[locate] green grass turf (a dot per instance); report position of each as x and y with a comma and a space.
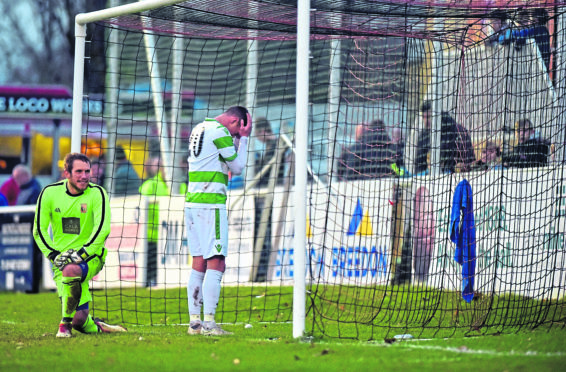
28, 323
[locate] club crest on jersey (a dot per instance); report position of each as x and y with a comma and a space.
83, 208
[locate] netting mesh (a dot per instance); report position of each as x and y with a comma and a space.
425, 214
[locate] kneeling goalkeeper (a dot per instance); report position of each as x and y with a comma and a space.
79, 215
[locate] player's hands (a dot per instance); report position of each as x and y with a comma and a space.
245, 131
68, 257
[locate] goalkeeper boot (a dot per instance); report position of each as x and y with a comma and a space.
213, 329
195, 328
65, 330
108, 328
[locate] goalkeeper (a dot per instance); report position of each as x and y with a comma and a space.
79, 215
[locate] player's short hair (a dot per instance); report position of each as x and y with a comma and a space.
70, 159
240, 112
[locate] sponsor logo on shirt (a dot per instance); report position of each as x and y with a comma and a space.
71, 225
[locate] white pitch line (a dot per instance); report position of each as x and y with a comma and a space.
466, 350
462, 350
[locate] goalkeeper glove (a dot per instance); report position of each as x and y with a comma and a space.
68, 257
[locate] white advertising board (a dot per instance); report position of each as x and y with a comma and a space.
520, 232
348, 236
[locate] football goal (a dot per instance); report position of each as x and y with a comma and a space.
405, 173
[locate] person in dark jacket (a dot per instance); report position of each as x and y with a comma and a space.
537, 31
371, 156
126, 180
456, 149
531, 150
29, 186
424, 140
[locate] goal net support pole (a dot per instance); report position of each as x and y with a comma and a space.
301, 143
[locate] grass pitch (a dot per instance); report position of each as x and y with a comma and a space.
28, 323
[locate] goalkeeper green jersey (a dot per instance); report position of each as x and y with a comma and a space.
212, 154
76, 221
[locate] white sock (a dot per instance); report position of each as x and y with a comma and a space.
211, 291
194, 293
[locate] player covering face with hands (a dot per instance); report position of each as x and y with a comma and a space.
216, 146
78, 213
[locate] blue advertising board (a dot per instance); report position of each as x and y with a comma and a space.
16, 256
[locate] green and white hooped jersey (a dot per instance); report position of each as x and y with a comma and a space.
211, 155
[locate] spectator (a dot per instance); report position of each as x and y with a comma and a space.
265, 135
10, 189
539, 32
531, 150
371, 156
423, 143
152, 187
126, 180
97, 169
490, 158
398, 146
456, 149
28, 195
29, 187
500, 25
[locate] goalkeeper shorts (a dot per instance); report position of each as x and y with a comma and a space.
207, 231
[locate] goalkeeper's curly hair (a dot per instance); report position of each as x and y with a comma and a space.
71, 157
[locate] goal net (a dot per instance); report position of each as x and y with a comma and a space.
436, 200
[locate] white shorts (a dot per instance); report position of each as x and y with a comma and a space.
207, 231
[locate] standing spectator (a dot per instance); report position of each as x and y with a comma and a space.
126, 180
456, 149
398, 146
212, 152
97, 170
152, 187
10, 189
264, 134
423, 143
500, 25
29, 187
539, 32
371, 156
531, 150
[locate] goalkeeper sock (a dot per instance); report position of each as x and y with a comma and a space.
72, 291
211, 291
194, 293
89, 326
